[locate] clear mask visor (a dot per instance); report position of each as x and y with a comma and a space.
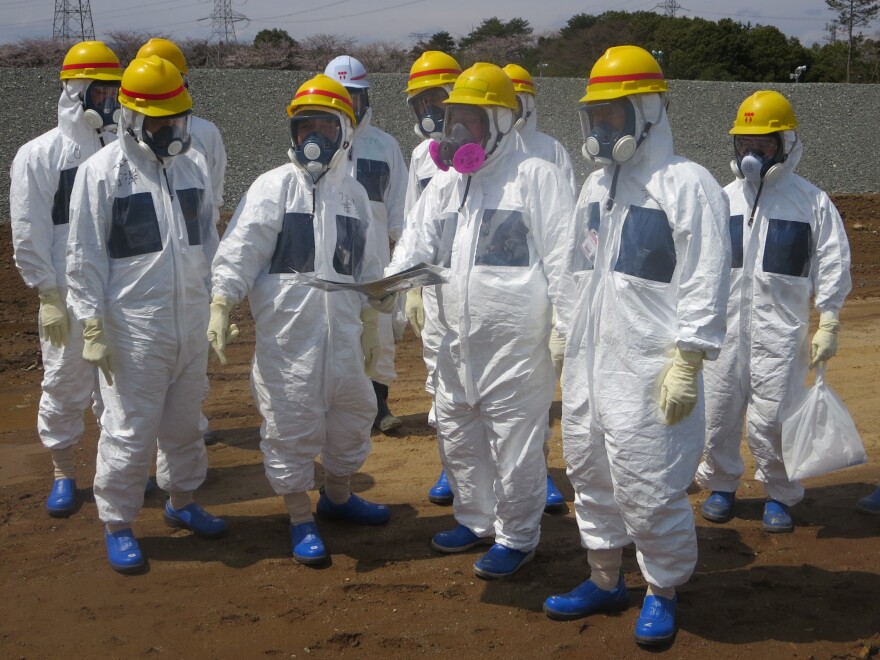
168, 136
765, 147
102, 97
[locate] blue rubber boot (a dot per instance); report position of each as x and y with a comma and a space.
308, 548
440, 492
123, 551
656, 623
718, 507
458, 539
152, 486
555, 502
62, 500
870, 504
501, 561
586, 599
356, 510
777, 517
196, 519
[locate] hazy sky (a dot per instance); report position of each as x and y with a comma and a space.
391, 20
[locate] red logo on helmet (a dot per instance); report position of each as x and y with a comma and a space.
748, 117
342, 74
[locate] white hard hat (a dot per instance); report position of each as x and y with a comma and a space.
348, 71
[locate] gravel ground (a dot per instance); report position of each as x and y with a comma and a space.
841, 154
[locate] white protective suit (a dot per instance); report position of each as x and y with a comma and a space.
795, 249
550, 149
421, 170
207, 140
377, 163
142, 237
307, 375
500, 232
662, 258
42, 177
547, 148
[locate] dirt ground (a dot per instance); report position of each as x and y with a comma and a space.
810, 594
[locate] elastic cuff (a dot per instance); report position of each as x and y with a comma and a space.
299, 507
62, 459
337, 489
181, 499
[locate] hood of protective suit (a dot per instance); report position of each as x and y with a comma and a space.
362, 125
656, 149
70, 111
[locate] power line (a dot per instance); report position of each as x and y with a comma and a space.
336, 18
669, 7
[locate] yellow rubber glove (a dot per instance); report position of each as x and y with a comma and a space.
370, 340
824, 344
678, 394
96, 351
54, 317
220, 332
385, 305
415, 310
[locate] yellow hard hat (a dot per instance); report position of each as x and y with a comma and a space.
623, 71
323, 92
483, 84
521, 79
432, 69
92, 60
153, 86
764, 112
167, 50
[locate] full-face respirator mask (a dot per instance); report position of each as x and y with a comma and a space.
609, 130
318, 141
471, 134
429, 110
101, 110
758, 158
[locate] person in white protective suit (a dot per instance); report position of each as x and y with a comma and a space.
376, 162
789, 245
206, 139
496, 221
311, 365
142, 236
548, 148
650, 253
42, 177
430, 81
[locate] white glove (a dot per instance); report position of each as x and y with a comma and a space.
824, 344
370, 340
415, 310
220, 332
678, 394
96, 351
557, 351
54, 318
384, 305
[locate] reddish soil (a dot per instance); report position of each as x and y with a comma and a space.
810, 594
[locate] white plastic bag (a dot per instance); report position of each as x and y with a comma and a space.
818, 434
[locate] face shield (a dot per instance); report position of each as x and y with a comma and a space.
757, 154
609, 130
466, 133
360, 101
101, 105
429, 110
316, 137
166, 136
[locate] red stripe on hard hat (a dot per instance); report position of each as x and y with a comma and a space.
152, 97
321, 92
626, 77
363, 75
431, 72
91, 65
522, 82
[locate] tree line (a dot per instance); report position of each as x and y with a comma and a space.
688, 48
